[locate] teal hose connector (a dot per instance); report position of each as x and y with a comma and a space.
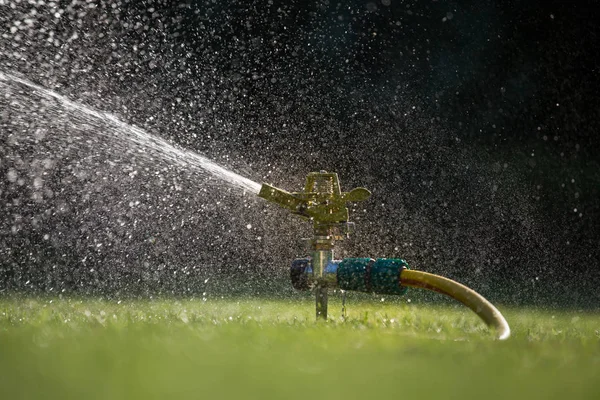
381, 276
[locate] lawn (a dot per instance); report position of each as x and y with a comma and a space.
73, 348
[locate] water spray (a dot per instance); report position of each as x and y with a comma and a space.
324, 204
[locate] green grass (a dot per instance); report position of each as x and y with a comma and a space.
87, 349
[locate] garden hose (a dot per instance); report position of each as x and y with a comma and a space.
470, 298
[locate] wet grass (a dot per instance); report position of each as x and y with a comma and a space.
74, 348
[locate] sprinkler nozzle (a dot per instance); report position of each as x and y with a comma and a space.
283, 198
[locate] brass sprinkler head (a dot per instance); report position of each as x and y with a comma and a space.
322, 202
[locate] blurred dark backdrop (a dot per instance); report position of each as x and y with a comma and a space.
473, 122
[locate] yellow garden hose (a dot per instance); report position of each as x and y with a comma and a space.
470, 298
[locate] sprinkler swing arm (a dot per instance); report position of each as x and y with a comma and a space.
324, 204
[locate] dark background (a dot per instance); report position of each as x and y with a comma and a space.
473, 123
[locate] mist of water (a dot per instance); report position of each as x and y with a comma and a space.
144, 141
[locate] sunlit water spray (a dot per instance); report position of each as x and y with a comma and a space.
134, 136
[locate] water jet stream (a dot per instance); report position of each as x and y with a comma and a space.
142, 138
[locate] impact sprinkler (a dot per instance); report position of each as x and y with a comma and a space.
325, 205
